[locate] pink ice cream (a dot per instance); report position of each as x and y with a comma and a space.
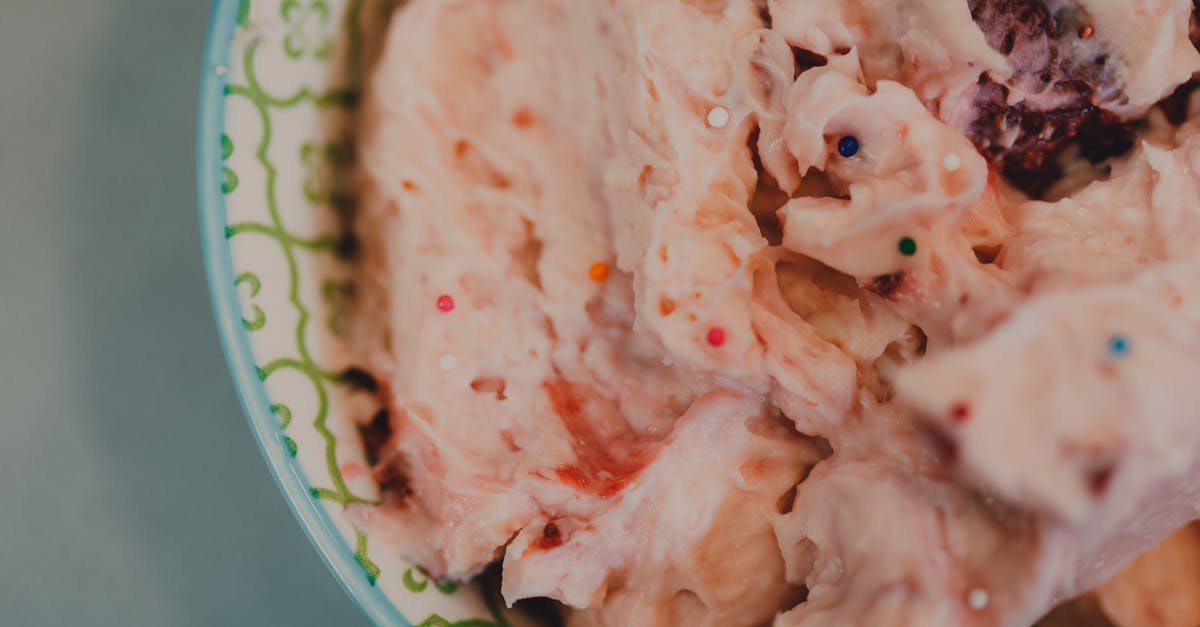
733, 312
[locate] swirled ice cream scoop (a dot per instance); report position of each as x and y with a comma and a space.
732, 312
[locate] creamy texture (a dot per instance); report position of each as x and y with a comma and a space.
645, 336
1159, 588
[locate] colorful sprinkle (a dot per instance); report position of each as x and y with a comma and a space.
960, 412
716, 336
952, 162
978, 599
523, 118
351, 470
908, 246
598, 271
1086, 32
848, 146
445, 303
1118, 345
718, 117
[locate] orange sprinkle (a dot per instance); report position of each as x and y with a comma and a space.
523, 118
1086, 32
598, 271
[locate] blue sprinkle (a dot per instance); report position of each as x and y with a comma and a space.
848, 146
1118, 345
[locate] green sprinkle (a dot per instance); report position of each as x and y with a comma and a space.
908, 246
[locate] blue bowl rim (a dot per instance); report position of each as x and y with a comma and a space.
235, 341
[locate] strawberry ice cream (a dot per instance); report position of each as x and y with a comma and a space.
821, 312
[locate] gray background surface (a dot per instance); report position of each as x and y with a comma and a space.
132, 492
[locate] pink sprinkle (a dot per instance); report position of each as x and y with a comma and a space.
445, 303
350, 470
716, 336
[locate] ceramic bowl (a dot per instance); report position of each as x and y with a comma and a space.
280, 84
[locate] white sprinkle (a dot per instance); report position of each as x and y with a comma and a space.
978, 599
447, 362
718, 117
952, 162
